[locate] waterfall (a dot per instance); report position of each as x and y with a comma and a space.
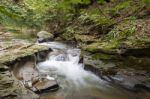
63, 64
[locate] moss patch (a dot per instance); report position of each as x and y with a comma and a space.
19, 50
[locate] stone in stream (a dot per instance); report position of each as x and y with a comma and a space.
44, 36
45, 85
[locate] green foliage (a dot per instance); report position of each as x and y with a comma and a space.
40, 6
119, 7
101, 1
93, 15
124, 31
8, 17
39, 13
147, 1
25, 14
10, 13
69, 34
35, 13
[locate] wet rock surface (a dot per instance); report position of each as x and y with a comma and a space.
126, 76
45, 86
132, 79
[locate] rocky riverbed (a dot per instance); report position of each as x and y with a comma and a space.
20, 78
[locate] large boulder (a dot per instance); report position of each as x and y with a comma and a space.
44, 36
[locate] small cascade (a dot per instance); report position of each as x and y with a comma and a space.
63, 64
62, 76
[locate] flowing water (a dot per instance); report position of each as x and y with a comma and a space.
75, 82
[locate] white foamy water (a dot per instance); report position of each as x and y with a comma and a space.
64, 66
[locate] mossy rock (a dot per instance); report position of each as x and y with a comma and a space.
104, 47
103, 56
44, 36
16, 50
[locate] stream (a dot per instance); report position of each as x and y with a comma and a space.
63, 64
